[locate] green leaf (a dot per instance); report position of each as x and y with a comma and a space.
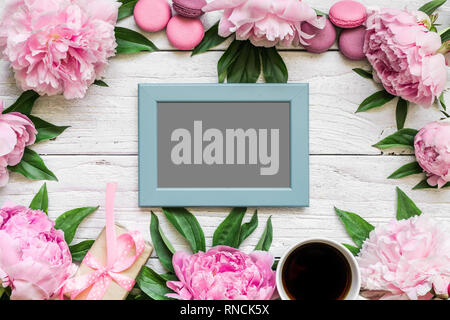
32, 166
357, 228
69, 221
445, 35
6, 294
169, 276
40, 200
248, 228
354, 250
227, 59
406, 208
137, 294
210, 40
126, 9
166, 240
442, 101
320, 13
24, 104
188, 226
100, 83
445, 114
130, 41
247, 66
228, 232
46, 130
275, 263
403, 138
363, 73
274, 68
162, 246
79, 250
406, 170
153, 284
266, 239
401, 112
376, 100
431, 6
424, 185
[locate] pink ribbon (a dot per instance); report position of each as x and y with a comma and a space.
119, 258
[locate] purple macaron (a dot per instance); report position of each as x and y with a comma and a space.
323, 39
348, 14
189, 8
351, 43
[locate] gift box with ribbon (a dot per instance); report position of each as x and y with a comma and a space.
109, 269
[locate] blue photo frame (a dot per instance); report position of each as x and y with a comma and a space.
150, 195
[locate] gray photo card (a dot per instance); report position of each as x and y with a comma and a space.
223, 144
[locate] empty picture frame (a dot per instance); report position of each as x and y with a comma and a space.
223, 145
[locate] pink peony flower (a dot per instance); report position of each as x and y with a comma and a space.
35, 260
58, 46
402, 52
432, 149
406, 259
223, 273
16, 132
265, 22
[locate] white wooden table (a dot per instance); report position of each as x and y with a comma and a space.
346, 171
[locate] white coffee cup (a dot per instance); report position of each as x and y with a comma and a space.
353, 292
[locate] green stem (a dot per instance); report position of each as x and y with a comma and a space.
444, 48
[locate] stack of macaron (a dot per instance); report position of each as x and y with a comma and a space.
348, 15
184, 30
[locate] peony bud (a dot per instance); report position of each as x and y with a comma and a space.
432, 149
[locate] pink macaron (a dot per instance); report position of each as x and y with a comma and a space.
152, 15
189, 8
323, 39
348, 14
185, 33
351, 43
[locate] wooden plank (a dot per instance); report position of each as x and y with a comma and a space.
101, 145
354, 183
105, 121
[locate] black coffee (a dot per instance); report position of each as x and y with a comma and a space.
316, 271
